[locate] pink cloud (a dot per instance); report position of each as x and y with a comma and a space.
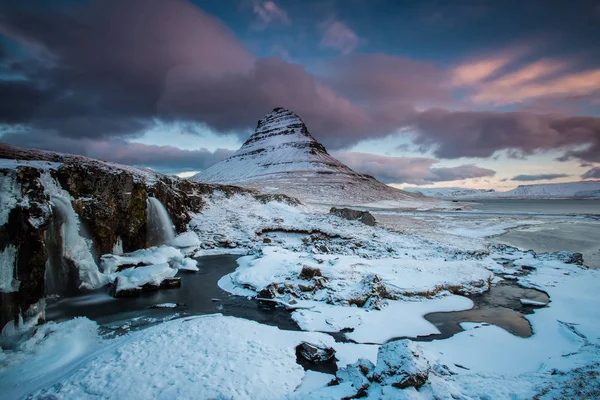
267, 13
337, 35
414, 170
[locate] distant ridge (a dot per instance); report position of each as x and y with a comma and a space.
582, 189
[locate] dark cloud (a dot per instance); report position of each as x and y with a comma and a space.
164, 159
118, 64
414, 170
106, 69
110, 60
592, 173
367, 78
538, 177
481, 134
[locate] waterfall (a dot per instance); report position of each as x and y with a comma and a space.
70, 265
160, 227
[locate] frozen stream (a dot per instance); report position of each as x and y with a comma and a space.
200, 294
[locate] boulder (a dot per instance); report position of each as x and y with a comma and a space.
354, 215
401, 364
357, 374
312, 353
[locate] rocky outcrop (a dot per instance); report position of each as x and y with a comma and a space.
354, 215
109, 199
23, 235
400, 364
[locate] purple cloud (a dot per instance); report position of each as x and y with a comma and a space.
539, 177
593, 173
414, 170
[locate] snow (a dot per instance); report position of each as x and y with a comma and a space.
196, 358
448, 192
7, 267
10, 193
186, 239
152, 255
349, 277
132, 278
38, 164
398, 319
165, 305
312, 381
53, 352
528, 302
589, 188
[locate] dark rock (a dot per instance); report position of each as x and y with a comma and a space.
312, 353
267, 240
269, 293
309, 273
347, 213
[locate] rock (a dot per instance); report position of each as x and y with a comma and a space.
570, 258
347, 213
357, 374
314, 354
309, 273
270, 292
401, 364
267, 240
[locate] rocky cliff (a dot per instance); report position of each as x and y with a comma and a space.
109, 200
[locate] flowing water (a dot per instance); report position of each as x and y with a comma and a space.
70, 260
160, 226
199, 294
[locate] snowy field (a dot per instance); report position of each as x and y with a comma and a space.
364, 284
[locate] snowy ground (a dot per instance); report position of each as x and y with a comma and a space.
371, 283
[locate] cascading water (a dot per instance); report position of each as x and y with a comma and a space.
160, 226
70, 266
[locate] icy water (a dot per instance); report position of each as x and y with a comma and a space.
200, 294
500, 306
568, 207
576, 226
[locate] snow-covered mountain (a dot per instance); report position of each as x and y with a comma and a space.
555, 190
450, 192
282, 157
539, 191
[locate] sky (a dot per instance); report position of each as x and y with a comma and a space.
482, 94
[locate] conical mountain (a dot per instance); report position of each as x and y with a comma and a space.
282, 157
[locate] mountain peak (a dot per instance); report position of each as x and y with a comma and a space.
282, 156
282, 125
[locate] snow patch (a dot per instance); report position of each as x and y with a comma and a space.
7, 267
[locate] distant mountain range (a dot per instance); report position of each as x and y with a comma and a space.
589, 189
282, 157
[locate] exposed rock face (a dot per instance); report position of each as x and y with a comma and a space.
109, 199
24, 232
347, 213
282, 157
